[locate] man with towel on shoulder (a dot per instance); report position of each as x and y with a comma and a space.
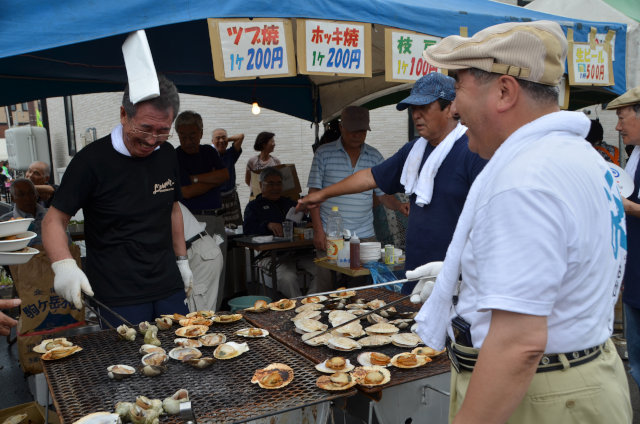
436, 170
540, 244
627, 108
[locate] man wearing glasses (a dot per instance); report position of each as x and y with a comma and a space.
127, 185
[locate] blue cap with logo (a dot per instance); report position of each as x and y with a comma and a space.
428, 89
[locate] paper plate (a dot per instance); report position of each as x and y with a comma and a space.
16, 258
20, 242
14, 226
623, 180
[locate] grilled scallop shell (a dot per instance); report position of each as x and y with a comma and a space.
192, 331
375, 340
312, 340
382, 328
226, 319
313, 299
230, 350
184, 353
273, 376
336, 381
252, 332
343, 344
428, 351
373, 358
309, 307
409, 360
282, 305
371, 376
335, 364
406, 340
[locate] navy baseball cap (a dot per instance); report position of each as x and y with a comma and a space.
428, 89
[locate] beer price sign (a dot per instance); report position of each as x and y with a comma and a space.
403, 55
247, 49
590, 63
334, 48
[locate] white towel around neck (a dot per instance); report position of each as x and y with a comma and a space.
433, 318
421, 182
632, 163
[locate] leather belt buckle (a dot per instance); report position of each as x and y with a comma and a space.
452, 356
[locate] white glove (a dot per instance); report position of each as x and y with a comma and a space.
69, 281
186, 274
427, 274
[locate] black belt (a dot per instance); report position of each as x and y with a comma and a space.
548, 362
195, 238
214, 212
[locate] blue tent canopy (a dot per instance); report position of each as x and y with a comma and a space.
71, 47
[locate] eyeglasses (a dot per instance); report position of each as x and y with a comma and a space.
148, 135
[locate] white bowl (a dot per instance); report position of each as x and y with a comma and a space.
15, 226
21, 242
17, 258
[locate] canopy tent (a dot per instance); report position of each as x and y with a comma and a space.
63, 48
598, 10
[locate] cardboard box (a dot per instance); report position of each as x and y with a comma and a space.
35, 414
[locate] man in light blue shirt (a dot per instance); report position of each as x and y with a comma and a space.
332, 163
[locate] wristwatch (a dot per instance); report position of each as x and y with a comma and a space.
182, 258
195, 180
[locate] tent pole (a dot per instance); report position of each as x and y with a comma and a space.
314, 97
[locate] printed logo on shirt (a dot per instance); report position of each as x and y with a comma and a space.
616, 211
266, 207
165, 186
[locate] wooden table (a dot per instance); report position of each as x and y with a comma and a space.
352, 273
274, 247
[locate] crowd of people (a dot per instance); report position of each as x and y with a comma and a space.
516, 233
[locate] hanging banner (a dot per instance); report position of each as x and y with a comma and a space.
334, 48
403, 55
590, 63
251, 48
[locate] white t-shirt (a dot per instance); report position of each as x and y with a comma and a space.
548, 239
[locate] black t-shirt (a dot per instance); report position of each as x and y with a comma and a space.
127, 205
206, 160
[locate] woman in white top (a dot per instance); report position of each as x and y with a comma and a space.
265, 143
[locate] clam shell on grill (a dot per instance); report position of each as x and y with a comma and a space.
164, 323
184, 353
371, 376
230, 350
306, 325
225, 319
307, 314
252, 332
96, 418
152, 370
409, 360
309, 307
314, 299
49, 344
155, 358
373, 358
192, 331
343, 343
381, 328
312, 340
118, 372
375, 340
336, 381
282, 305
126, 333
260, 305
201, 363
273, 376
428, 351
195, 321
60, 352
335, 364
202, 314
143, 327
350, 330
343, 295
184, 342
212, 339
406, 340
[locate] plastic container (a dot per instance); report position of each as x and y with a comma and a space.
334, 234
343, 255
354, 252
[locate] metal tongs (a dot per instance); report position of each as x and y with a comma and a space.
106, 308
186, 412
370, 286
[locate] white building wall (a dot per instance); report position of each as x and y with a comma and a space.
293, 136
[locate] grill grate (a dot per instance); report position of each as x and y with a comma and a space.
282, 328
220, 393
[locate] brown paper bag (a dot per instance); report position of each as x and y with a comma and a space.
42, 309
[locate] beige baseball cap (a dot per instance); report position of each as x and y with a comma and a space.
629, 98
533, 51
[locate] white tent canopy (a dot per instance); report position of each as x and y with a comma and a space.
599, 11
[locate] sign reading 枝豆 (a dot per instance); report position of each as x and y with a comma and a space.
403, 55
334, 48
590, 63
246, 49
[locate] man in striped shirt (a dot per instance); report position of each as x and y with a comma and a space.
332, 163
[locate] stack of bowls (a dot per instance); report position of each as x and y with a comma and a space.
14, 238
370, 251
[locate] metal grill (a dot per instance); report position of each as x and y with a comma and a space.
282, 328
222, 393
